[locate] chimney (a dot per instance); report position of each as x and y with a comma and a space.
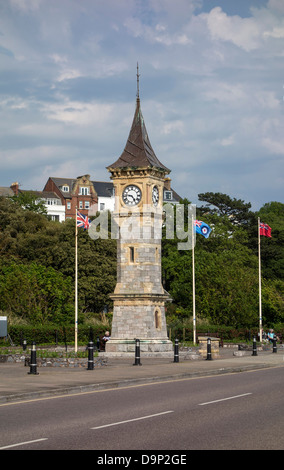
167, 184
15, 188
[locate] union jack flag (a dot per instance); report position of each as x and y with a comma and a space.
264, 229
83, 221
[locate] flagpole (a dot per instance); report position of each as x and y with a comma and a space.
259, 282
76, 284
193, 284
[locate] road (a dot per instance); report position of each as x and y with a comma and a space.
232, 411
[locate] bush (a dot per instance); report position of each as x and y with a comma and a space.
53, 334
183, 331
36, 294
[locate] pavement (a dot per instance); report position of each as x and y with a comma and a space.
17, 384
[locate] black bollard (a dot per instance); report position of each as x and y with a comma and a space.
209, 356
254, 348
176, 355
24, 345
274, 350
33, 363
137, 353
91, 356
98, 343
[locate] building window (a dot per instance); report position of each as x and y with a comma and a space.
80, 204
69, 205
87, 204
158, 319
84, 191
131, 254
168, 195
157, 255
65, 189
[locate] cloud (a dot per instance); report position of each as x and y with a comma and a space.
243, 32
26, 5
230, 140
246, 33
79, 113
211, 90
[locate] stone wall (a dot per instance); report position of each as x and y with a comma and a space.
53, 362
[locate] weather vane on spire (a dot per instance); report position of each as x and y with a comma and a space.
138, 81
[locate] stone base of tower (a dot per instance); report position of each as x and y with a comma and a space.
148, 347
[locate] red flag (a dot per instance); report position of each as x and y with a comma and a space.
264, 229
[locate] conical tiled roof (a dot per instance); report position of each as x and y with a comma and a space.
138, 152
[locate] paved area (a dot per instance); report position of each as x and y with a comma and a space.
16, 384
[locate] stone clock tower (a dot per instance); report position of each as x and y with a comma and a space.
139, 298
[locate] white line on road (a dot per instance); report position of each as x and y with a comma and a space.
23, 443
130, 420
224, 399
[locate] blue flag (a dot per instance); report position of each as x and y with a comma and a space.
202, 228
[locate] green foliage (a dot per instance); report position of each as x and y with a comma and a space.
28, 200
35, 293
272, 249
52, 334
236, 210
28, 238
184, 332
37, 267
226, 265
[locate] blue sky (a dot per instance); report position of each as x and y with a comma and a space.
211, 89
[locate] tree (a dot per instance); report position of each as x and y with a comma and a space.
36, 294
226, 274
27, 237
226, 267
236, 210
30, 201
272, 249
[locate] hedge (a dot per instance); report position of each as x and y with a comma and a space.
53, 334
185, 332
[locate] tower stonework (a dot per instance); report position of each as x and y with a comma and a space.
139, 297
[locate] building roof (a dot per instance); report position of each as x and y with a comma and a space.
40, 194
6, 191
59, 182
138, 152
103, 189
49, 195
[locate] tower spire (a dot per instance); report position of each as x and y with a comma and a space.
138, 151
138, 75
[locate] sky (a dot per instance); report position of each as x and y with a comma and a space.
211, 90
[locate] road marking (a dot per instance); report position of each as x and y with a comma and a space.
130, 420
224, 399
23, 443
118, 388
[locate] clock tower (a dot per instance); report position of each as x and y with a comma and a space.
139, 297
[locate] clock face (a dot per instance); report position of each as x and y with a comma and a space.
131, 195
155, 195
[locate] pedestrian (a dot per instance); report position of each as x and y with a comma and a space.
270, 336
106, 336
